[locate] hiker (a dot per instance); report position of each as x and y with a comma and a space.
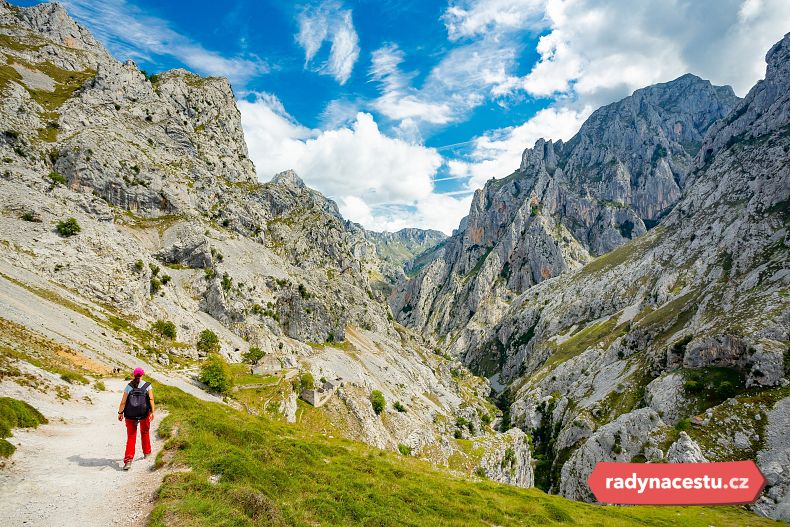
137, 406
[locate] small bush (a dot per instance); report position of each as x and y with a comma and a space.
216, 374
165, 279
405, 450
227, 282
208, 342
99, 385
138, 265
57, 178
68, 227
156, 285
458, 434
165, 328
154, 268
306, 381
399, 406
377, 401
30, 216
210, 273
253, 355
73, 378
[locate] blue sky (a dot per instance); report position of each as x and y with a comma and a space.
398, 110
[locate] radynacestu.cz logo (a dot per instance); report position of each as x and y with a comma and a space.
727, 483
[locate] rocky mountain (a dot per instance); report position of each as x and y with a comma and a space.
567, 202
128, 202
406, 251
674, 345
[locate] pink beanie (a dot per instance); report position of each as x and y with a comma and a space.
139, 371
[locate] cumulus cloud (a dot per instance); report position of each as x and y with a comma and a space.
129, 33
379, 181
603, 50
329, 22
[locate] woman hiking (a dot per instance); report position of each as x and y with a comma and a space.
137, 406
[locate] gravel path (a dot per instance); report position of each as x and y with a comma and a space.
69, 472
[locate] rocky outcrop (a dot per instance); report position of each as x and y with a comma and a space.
623, 170
508, 459
685, 450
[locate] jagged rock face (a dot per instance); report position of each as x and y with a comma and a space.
626, 166
685, 450
679, 322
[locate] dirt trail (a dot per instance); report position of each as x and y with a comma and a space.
69, 472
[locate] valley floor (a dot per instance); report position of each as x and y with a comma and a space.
69, 472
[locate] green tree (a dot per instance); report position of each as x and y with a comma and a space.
165, 328
377, 401
68, 227
208, 342
216, 374
253, 355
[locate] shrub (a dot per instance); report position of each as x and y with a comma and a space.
138, 265
210, 273
57, 178
405, 450
165, 328
73, 378
99, 385
68, 227
458, 434
377, 401
216, 374
227, 282
399, 407
303, 292
486, 419
165, 279
154, 268
156, 285
208, 342
30, 216
306, 381
253, 355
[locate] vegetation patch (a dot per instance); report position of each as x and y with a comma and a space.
16, 414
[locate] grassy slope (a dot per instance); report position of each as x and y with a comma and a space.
277, 474
16, 414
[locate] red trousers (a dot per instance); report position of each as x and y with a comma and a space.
131, 437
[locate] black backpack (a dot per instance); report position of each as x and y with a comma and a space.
137, 405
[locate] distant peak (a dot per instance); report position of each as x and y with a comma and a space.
288, 179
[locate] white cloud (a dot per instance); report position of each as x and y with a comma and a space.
471, 18
436, 211
498, 153
600, 51
324, 22
399, 101
129, 33
379, 181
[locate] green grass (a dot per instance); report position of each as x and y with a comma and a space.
603, 333
277, 474
16, 414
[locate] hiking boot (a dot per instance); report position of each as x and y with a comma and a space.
146, 456
127, 465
